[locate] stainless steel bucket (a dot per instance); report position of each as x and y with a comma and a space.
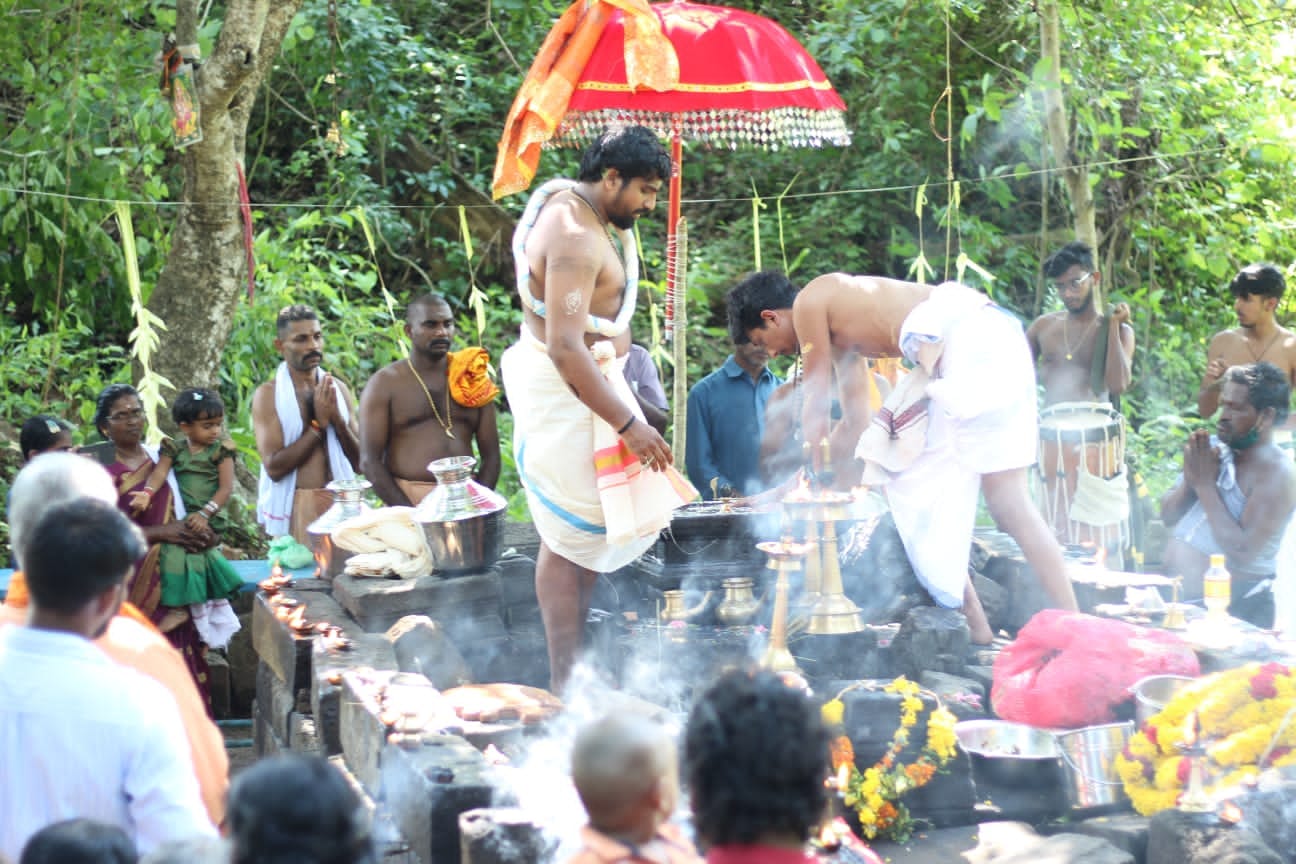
465, 545
1089, 764
460, 518
1154, 692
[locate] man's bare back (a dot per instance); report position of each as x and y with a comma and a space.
859, 313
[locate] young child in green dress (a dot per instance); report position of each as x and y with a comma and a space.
203, 465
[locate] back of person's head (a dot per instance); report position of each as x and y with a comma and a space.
634, 151
295, 809
197, 850
767, 289
1073, 254
197, 403
77, 550
52, 479
622, 766
1267, 387
40, 433
1259, 280
755, 757
79, 841
293, 313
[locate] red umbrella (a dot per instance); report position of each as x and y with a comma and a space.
743, 81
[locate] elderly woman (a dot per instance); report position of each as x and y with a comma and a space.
119, 417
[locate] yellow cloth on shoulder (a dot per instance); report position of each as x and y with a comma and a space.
469, 375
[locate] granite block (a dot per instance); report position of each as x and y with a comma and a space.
368, 651
427, 788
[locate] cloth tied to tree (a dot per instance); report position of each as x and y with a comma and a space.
542, 99
469, 375
1068, 669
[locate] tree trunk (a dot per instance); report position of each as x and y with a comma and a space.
1074, 175
205, 271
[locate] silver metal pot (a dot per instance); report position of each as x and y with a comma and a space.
460, 518
1154, 692
1011, 754
465, 545
1089, 755
348, 501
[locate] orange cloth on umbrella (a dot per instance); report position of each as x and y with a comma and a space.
543, 97
469, 376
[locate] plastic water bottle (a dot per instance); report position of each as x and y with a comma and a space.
1218, 587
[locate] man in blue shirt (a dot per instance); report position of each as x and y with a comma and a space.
726, 417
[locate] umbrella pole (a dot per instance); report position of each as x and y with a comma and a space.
676, 266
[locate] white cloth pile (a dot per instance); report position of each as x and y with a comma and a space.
386, 540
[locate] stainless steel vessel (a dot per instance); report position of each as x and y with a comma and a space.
460, 518
348, 501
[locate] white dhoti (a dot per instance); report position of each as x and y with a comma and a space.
982, 420
589, 498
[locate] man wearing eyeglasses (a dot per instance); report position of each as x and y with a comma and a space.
1082, 355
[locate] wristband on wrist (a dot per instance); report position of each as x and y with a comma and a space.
148, 490
627, 425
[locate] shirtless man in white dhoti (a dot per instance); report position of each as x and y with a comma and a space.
981, 432
566, 390
306, 429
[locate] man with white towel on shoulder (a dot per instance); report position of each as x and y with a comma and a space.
307, 432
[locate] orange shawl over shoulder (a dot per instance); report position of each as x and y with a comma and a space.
469, 375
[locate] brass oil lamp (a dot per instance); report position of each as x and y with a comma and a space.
785, 557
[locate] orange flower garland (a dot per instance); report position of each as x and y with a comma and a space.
1239, 712
875, 792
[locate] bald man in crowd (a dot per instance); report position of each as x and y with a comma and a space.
626, 771
80, 735
130, 639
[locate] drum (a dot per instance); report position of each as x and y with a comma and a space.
1084, 438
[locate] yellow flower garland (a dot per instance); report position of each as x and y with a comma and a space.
875, 792
1239, 713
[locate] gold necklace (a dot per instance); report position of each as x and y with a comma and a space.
428, 393
1066, 334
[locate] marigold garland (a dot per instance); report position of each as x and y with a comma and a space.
875, 792
1239, 712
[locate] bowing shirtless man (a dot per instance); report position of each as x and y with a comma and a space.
981, 433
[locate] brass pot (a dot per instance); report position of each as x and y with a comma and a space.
739, 605
675, 608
